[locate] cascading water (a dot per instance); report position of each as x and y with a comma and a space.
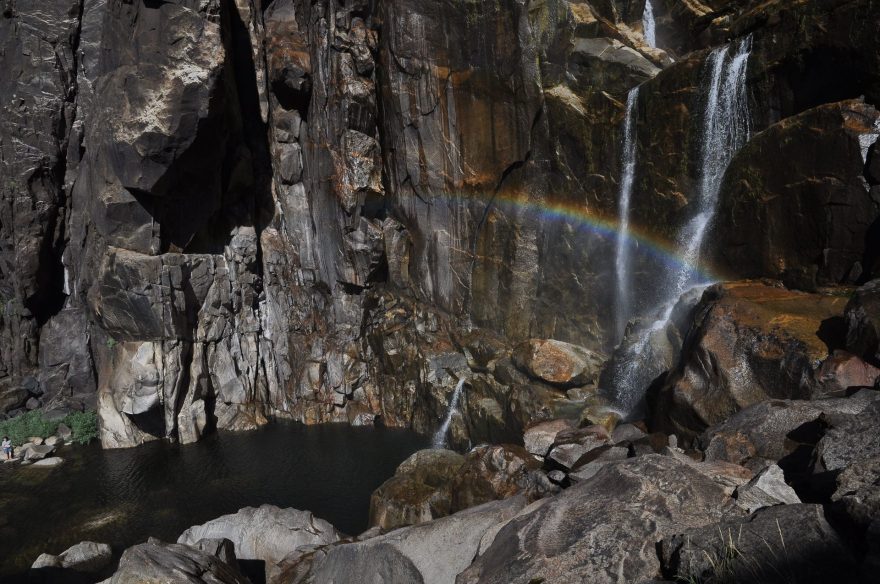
648, 25
725, 129
439, 440
627, 177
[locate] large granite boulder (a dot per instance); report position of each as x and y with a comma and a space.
419, 491
784, 431
787, 543
805, 221
431, 553
762, 342
264, 533
558, 363
603, 529
156, 562
436, 483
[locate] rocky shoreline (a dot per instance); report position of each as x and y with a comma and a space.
633, 507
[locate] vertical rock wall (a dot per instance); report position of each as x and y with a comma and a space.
215, 212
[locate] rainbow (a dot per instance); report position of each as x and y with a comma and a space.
644, 241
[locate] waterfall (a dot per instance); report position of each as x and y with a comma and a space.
439, 440
627, 177
648, 25
724, 130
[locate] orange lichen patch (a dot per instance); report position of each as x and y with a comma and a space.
783, 312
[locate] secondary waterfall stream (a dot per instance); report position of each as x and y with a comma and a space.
724, 130
628, 171
439, 440
648, 25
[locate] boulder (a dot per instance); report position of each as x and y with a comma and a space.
266, 533
766, 489
782, 544
156, 561
430, 553
763, 343
64, 432
497, 472
51, 441
86, 556
50, 462
31, 451
776, 429
436, 483
856, 495
786, 221
419, 490
850, 439
863, 322
570, 446
602, 529
558, 363
843, 372
540, 437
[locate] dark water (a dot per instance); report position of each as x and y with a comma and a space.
123, 496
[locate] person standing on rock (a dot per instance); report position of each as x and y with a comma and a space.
7, 447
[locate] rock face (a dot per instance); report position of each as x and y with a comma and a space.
603, 529
749, 343
796, 205
214, 213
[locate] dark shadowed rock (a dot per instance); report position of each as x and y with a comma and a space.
603, 529
419, 491
776, 219
787, 543
863, 322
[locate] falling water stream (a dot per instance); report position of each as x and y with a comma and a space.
628, 171
724, 130
648, 25
439, 440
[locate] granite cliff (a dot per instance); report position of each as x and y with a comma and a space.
218, 212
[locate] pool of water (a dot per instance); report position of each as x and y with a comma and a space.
121, 497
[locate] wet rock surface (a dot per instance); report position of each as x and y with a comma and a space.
762, 342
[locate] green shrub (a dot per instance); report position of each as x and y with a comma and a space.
84, 426
22, 427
